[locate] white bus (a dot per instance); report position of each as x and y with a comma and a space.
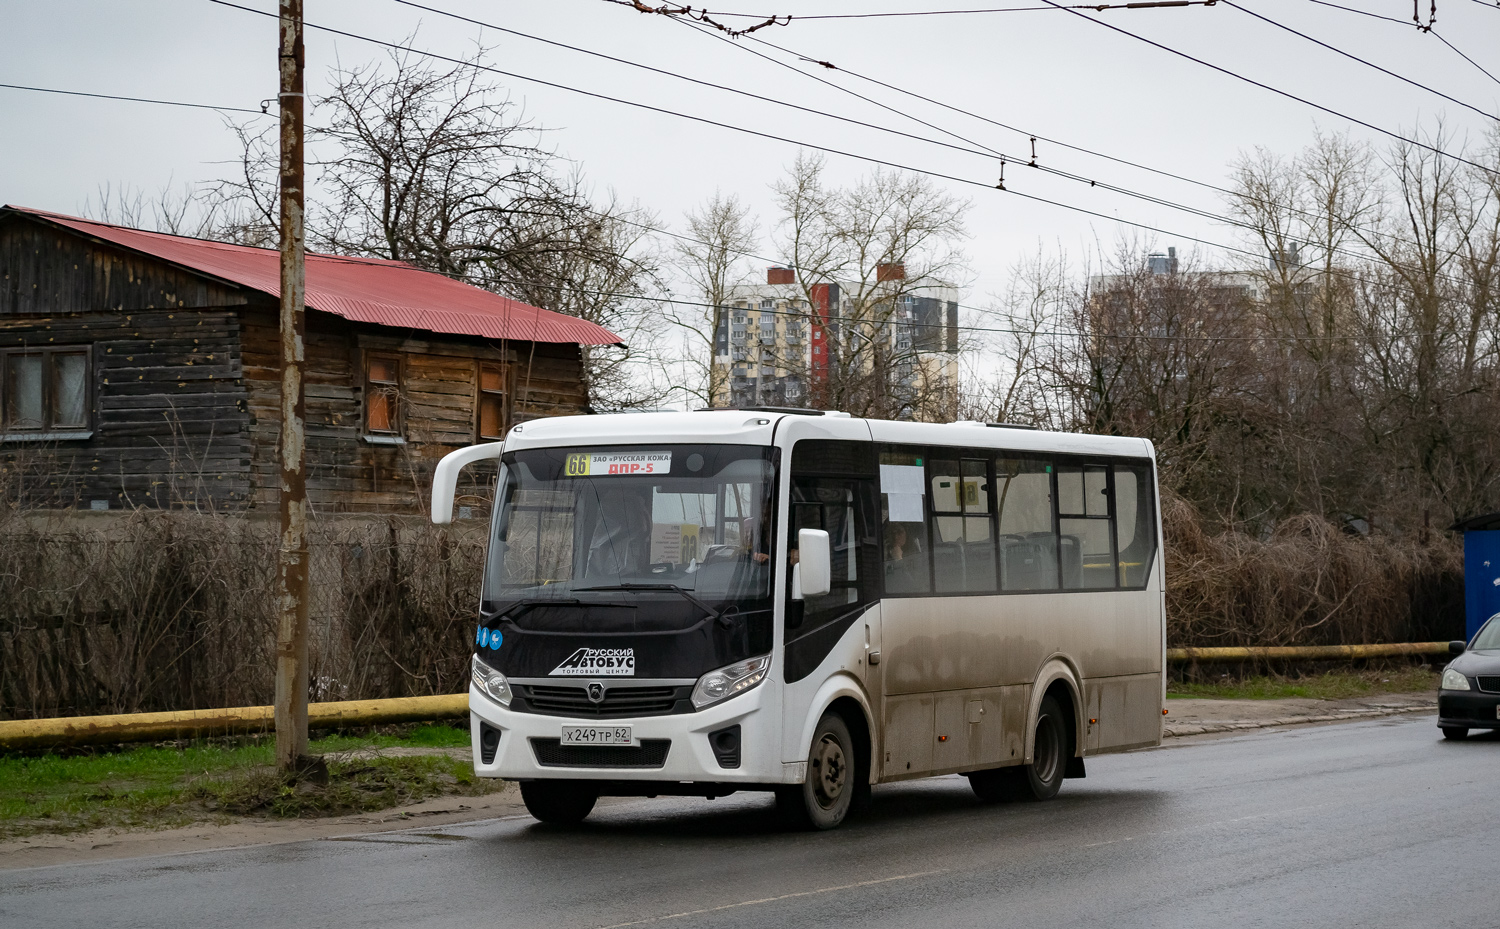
698, 603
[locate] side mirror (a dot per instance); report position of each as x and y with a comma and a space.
812, 575
1457, 646
445, 477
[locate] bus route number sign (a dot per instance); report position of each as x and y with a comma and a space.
598, 464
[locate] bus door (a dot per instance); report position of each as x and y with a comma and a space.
815, 627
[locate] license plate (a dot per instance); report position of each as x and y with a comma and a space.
596, 735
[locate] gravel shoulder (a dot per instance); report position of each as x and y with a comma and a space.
1186, 718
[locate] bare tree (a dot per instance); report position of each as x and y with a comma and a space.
886, 240
1036, 301
712, 257
434, 167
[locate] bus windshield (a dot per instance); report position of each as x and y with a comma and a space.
691, 521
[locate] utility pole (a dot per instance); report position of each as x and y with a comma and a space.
292, 559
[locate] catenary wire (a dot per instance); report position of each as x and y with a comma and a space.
789, 17
987, 152
1208, 185
1353, 57
754, 132
1278, 91
1364, 233
1407, 25
765, 135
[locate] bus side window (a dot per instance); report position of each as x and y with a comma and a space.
1135, 523
963, 553
1027, 541
903, 499
1085, 542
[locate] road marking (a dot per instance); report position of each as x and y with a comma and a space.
1208, 825
803, 893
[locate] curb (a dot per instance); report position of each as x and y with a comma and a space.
1171, 732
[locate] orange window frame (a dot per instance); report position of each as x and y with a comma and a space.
384, 378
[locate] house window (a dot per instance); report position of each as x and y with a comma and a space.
491, 402
383, 394
44, 391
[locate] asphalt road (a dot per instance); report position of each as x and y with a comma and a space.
1363, 824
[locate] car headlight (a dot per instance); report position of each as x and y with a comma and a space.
490, 682
728, 681
1453, 680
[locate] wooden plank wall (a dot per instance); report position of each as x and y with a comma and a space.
169, 412
186, 388
45, 271
345, 472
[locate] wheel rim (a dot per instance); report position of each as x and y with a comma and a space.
829, 771
1048, 754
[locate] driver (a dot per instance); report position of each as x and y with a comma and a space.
621, 541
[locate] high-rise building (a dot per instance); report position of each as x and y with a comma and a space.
779, 345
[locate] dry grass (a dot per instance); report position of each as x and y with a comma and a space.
169, 609
157, 610
1309, 583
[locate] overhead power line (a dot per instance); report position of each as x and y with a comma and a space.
1365, 232
1276, 90
80, 93
1161, 172
678, 301
784, 18
711, 19
1353, 57
772, 137
1406, 25
986, 152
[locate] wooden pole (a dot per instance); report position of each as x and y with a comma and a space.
291, 575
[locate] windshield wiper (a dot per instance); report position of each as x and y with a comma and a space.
521, 606
686, 595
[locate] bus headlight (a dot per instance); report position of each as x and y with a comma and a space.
1454, 680
726, 682
490, 682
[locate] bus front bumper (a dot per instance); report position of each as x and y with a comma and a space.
528, 746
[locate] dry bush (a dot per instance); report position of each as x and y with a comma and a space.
163, 610
170, 609
1308, 583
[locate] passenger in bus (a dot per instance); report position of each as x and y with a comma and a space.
895, 541
904, 571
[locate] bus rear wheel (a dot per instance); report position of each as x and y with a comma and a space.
824, 797
561, 803
1040, 780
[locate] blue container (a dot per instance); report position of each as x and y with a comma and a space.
1481, 570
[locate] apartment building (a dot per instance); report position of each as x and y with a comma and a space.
774, 343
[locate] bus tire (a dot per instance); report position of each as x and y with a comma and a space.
828, 791
561, 803
1051, 749
997, 785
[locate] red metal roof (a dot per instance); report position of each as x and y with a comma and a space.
366, 290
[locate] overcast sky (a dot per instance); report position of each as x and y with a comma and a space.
1052, 73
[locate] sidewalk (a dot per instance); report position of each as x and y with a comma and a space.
1198, 716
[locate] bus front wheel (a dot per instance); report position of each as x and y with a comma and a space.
562, 803
824, 797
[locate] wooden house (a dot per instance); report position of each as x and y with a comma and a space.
139, 368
